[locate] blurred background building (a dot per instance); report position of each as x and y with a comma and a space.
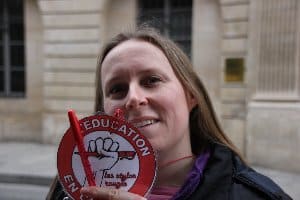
247, 52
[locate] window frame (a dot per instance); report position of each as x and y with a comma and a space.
7, 43
165, 25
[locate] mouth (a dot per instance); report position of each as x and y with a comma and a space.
144, 123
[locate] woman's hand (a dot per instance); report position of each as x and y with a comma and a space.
100, 193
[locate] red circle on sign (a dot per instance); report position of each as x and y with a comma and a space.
120, 157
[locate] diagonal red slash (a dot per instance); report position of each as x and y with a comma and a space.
79, 140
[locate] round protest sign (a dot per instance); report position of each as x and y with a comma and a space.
119, 155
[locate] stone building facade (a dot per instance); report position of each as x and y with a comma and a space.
260, 112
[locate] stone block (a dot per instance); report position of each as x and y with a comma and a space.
54, 127
120, 17
233, 94
51, 6
21, 127
235, 129
70, 77
56, 124
72, 35
234, 45
72, 20
82, 92
235, 29
71, 64
72, 49
273, 135
235, 13
234, 110
20, 105
230, 2
63, 105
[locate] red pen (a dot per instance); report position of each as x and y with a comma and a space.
80, 144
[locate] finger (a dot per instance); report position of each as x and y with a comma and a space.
114, 146
99, 145
92, 146
107, 143
109, 194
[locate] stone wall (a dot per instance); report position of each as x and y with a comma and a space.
220, 31
206, 47
273, 130
73, 32
273, 135
20, 118
235, 17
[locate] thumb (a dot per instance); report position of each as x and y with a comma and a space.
109, 194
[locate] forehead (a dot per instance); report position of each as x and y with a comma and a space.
134, 46
134, 52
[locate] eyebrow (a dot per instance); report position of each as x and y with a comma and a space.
116, 75
121, 72
151, 70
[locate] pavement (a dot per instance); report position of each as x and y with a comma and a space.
34, 165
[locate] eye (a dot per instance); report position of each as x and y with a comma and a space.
151, 81
117, 91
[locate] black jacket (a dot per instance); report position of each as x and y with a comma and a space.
226, 177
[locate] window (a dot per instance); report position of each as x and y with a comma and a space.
172, 18
234, 70
12, 69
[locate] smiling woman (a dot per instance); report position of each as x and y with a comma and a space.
137, 77
153, 82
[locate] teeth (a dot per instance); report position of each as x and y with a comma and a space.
144, 123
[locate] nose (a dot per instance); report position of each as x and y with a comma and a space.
136, 97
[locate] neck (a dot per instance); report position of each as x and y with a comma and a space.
172, 168
173, 172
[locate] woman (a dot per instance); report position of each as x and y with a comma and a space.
153, 81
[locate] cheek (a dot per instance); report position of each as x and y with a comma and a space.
178, 106
166, 105
174, 99
108, 107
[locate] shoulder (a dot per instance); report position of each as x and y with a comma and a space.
248, 177
227, 177
246, 183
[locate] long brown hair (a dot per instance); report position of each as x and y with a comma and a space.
204, 126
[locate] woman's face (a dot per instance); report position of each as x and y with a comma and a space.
138, 78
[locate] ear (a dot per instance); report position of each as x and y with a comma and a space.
191, 100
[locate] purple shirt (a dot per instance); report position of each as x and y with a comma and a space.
192, 181
194, 177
